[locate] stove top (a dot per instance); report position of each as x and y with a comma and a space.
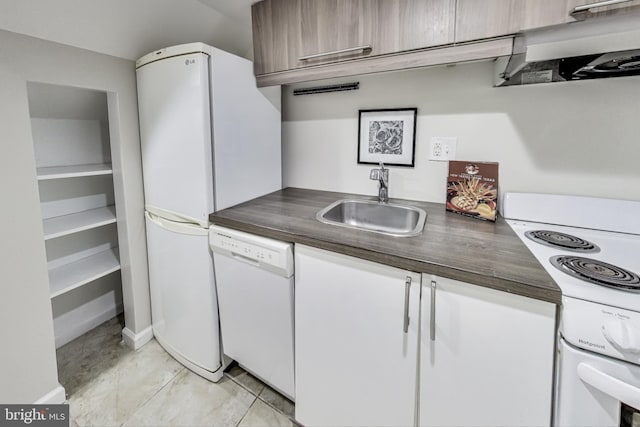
618, 256
589, 246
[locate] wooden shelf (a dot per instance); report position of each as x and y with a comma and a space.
70, 276
74, 223
59, 172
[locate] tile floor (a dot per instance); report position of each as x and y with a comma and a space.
108, 384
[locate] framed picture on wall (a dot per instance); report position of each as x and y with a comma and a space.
388, 136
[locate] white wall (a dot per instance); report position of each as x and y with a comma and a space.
27, 359
569, 138
27, 368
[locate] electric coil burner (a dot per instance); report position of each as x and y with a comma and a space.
598, 272
562, 240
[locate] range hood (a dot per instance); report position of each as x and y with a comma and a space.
595, 48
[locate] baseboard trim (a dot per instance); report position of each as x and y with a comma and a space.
84, 325
55, 396
135, 341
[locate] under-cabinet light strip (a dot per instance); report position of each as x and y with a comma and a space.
325, 89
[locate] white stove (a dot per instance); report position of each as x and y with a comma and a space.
591, 248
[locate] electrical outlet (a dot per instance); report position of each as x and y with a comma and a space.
443, 148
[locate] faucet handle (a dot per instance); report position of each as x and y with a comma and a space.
384, 176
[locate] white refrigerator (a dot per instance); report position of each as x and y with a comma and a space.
210, 140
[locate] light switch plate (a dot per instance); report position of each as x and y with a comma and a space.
443, 148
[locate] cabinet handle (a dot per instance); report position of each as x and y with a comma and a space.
432, 321
335, 52
586, 7
407, 289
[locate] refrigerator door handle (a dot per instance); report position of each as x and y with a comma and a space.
177, 227
175, 216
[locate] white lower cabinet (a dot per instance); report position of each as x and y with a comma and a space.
469, 356
486, 357
356, 363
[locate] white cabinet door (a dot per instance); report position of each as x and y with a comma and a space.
355, 364
489, 360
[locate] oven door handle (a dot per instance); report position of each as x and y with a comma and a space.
609, 385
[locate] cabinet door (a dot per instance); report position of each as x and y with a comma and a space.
494, 18
399, 25
276, 35
386, 26
489, 358
354, 363
328, 26
484, 19
543, 13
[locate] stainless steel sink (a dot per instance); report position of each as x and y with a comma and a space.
386, 218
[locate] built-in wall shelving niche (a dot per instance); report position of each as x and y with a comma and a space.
72, 147
75, 171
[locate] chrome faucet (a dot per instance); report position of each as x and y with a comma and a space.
382, 175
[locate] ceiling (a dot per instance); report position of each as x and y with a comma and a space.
132, 28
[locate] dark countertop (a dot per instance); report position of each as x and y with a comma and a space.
453, 246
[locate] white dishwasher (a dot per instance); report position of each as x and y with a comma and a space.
254, 278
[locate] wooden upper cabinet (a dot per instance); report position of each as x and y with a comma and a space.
332, 25
276, 35
384, 26
400, 25
494, 18
287, 32
542, 13
485, 19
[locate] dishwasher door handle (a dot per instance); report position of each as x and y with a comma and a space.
245, 259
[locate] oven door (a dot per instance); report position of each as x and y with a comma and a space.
595, 390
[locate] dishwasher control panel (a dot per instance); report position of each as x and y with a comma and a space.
269, 254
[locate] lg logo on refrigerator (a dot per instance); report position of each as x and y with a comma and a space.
189, 61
